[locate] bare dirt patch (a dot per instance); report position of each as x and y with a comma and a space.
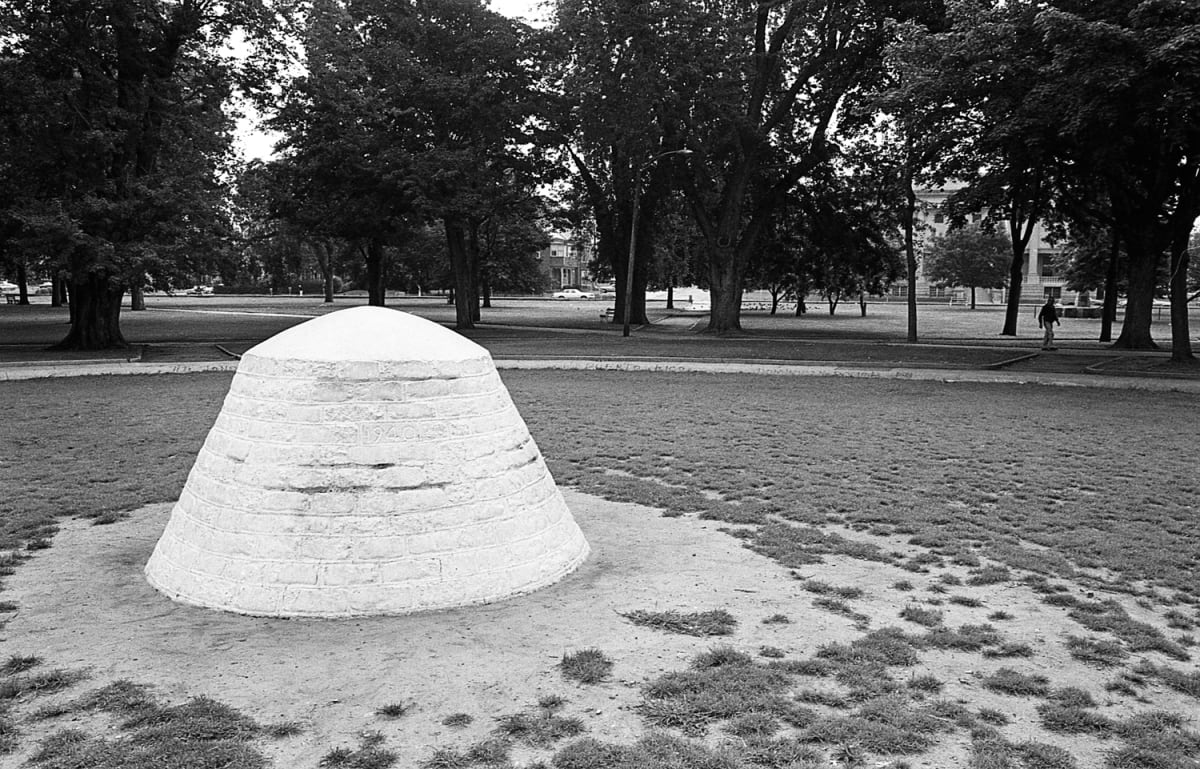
84, 604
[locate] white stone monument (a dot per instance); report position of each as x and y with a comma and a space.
365, 462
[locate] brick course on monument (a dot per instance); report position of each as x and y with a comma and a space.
365, 462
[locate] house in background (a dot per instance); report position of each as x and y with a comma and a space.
1040, 279
565, 261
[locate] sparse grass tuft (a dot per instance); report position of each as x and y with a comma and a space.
540, 729
446, 758
1178, 620
490, 752
394, 710
1073, 719
1010, 649
903, 585
199, 734
927, 683
283, 729
552, 703
992, 716
776, 619
1110, 617
587, 666
660, 751
705, 623
1155, 739
922, 616
989, 575
886, 646
1009, 681
458, 720
771, 652
721, 683
838, 606
19, 664
817, 668
886, 725
39, 683
1187, 683
967, 638
753, 725
122, 697
719, 656
823, 588
1099, 653
965, 600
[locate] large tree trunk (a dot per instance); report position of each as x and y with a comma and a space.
58, 290
1108, 314
1181, 343
1016, 276
725, 287
22, 281
324, 253
608, 251
635, 294
375, 273
1139, 305
95, 312
456, 244
137, 298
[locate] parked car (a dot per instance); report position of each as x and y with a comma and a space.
606, 288
200, 291
9, 288
46, 287
572, 293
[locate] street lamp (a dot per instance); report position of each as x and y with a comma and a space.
633, 221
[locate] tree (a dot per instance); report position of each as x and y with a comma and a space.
622, 64
906, 126
990, 64
968, 256
411, 112
1126, 89
849, 247
765, 90
345, 167
675, 260
98, 91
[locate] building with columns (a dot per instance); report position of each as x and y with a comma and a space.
1040, 280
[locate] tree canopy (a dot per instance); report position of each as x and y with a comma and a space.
95, 94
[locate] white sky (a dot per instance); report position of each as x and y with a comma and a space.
257, 143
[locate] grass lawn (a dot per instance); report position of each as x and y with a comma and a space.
1079, 495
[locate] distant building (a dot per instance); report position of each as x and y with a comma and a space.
565, 261
1040, 279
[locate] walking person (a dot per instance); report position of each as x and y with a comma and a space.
1047, 317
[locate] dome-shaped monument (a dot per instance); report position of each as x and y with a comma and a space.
365, 462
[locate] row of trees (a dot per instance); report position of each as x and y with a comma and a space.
773, 143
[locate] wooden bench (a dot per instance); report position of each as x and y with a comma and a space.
608, 313
12, 298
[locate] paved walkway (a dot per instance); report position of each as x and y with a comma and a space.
209, 338
852, 369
